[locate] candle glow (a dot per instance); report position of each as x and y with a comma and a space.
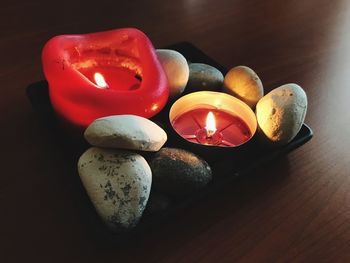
210, 124
101, 74
100, 81
224, 122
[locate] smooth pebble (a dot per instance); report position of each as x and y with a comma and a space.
281, 113
243, 83
176, 69
178, 172
204, 77
118, 184
126, 132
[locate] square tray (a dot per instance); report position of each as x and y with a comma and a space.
224, 169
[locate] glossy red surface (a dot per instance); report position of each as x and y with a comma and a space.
231, 130
70, 61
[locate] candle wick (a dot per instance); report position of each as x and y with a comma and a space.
210, 132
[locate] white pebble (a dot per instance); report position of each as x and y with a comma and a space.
126, 132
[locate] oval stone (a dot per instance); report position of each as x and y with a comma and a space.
118, 184
176, 69
179, 172
204, 77
243, 83
125, 132
281, 113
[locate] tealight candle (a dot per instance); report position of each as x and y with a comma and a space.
106, 73
213, 119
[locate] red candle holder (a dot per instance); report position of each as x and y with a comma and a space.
209, 122
100, 74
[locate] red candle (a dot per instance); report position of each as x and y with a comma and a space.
212, 127
101, 74
213, 119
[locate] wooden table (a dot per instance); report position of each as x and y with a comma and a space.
296, 209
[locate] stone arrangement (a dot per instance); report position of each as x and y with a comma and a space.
130, 170
118, 179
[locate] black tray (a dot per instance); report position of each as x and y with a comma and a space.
224, 169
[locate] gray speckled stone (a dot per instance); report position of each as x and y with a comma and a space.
204, 77
118, 184
179, 172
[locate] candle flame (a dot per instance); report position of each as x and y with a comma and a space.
100, 81
210, 125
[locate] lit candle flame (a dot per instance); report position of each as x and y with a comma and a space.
100, 81
210, 125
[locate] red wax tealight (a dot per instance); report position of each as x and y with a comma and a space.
228, 129
213, 119
100, 74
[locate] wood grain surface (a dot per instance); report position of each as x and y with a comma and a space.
293, 210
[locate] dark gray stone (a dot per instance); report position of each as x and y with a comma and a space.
204, 77
157, 203
178, 172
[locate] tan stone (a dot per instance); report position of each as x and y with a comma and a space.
243, 83
281, 113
